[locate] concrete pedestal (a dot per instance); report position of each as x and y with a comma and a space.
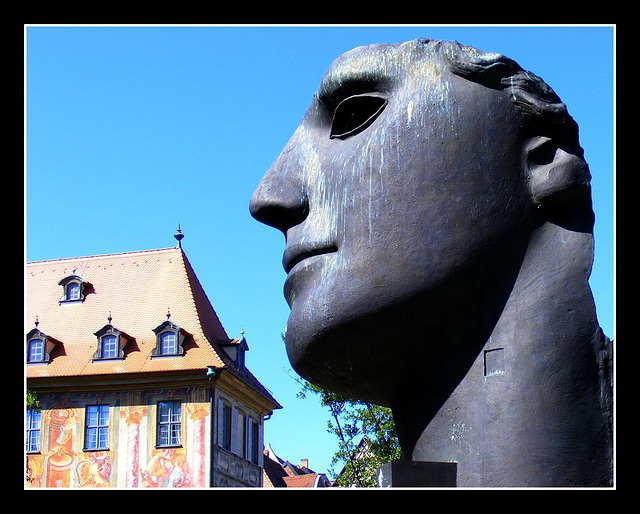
417, 474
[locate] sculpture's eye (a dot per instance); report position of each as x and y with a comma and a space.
355, 114
543, 152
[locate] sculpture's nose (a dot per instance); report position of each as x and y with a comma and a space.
279, 200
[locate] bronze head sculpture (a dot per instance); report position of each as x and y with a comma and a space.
437, 214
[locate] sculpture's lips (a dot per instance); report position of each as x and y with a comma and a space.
293, 254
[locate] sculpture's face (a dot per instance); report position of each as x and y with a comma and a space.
400, 175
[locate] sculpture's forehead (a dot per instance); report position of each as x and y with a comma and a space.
380, 65
365, 64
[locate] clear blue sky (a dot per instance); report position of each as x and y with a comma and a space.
132, 130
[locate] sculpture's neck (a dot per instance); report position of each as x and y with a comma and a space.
529, 410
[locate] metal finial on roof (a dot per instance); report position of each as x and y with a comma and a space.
37, 322
168, 313
109, 318
179, 236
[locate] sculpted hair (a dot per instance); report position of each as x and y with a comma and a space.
542, 109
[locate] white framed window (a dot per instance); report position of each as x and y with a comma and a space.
169, 423
72, 291
168, 343
96, 429
35, 352
33, 430
109, 347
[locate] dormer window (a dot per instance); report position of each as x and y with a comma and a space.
35, 351
73, 288
111, 342
39, 346
168, 344
169, 339
236, 349
73, 291
109, 346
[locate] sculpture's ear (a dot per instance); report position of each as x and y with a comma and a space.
558, 176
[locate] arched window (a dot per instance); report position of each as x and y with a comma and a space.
73, 291
109, 348
168, 343
35, 352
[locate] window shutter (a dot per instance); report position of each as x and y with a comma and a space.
246, 427
220, 423
234, 430
259, 445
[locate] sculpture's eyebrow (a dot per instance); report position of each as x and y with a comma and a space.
338, 84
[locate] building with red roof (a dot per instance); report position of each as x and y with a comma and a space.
138, 383
282, 473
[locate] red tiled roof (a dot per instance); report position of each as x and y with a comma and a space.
281, 473
137, 289
273, 473
301, 480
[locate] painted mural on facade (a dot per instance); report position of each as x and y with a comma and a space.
167, 468
131, 459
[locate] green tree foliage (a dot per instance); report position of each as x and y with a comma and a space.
366, 437
32, 400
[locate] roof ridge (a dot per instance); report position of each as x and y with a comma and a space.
102, 256
194, 282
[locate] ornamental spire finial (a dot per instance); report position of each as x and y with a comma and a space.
179, 236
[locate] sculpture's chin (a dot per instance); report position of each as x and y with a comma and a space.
354, 358
333, 376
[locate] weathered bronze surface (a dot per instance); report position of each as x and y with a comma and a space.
437, 213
